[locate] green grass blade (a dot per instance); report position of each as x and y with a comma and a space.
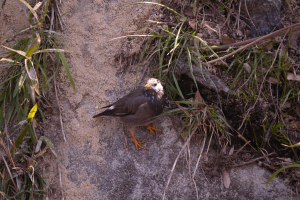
19, 139
191, 67
67, 69
278, 171
177, 86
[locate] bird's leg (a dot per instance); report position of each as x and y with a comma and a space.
151, 128
137, 144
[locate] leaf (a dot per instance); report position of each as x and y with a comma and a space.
278, 171
67, 69
247, 67
33, 82
295, 145
22, 53
49, 143
22, 79
177, 86
5, 195
51, 50
20, 138
33, 46
227, 40
161, 6
293, 77
37, 6
289, 5
32, 135
32, 10
226, 178
199, 99
9, 60
3, 4
192, 24
32, 113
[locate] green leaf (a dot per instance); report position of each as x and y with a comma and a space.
32, 113
278, 171
177, 86
9, 79
32, 135
295, 145
191, 67
33, 46
49, 143
3, 4
20, 138
67, 69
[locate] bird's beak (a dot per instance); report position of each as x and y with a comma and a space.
147, 85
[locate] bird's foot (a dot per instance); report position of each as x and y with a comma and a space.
151, 128
137, 144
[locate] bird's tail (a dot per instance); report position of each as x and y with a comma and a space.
106, 112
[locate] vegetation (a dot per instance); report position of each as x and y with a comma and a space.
26, 83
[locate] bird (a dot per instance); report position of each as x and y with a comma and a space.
139, 107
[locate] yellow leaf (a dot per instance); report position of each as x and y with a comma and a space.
32, 113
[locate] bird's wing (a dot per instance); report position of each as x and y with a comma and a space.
142, 116
129, 106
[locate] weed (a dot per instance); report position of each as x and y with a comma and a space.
26, 83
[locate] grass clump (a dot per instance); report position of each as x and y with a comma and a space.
25, 87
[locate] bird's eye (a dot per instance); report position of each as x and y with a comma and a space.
155, 85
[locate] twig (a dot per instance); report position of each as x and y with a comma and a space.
242, 148
161, 23
250, 17
60, 183
262, 84
60, 117
239, 16
253, 41
201, 151
251, 161
59, 17
8, 170
174, 165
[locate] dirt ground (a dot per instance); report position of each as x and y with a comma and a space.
94, 162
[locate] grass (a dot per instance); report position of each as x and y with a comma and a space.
256, 74
24, 92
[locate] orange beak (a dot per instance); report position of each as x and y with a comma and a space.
147, 85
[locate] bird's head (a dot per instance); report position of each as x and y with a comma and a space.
155, 85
